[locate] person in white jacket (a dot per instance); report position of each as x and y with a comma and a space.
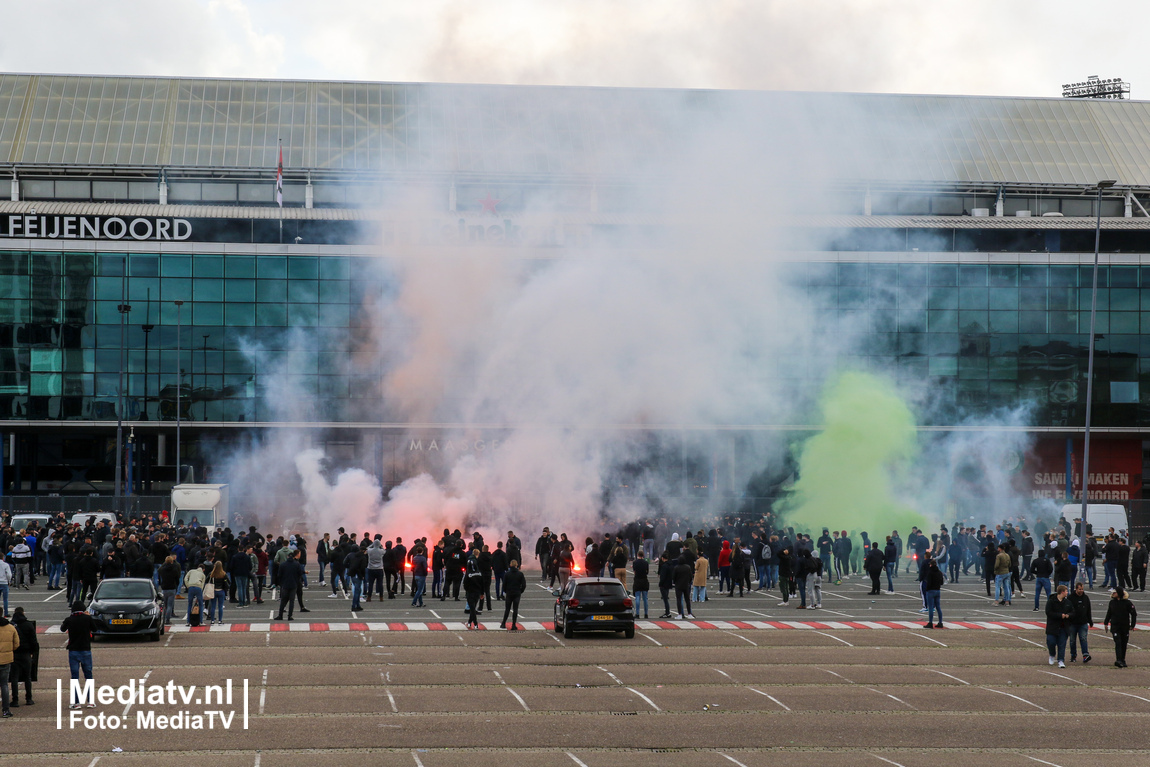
5, 579
22, 558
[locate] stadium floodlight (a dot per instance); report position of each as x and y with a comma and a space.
1101, 185
1096, 88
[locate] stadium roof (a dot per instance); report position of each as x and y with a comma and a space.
63, 120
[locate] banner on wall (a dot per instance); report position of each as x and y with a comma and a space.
1115, 470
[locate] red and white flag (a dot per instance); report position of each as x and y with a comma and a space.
280, 177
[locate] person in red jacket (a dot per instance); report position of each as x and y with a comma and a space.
724, 565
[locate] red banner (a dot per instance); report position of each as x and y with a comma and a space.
1115, 470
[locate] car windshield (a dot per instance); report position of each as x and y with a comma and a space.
600, 591
115, 589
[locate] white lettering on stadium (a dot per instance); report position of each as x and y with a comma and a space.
30, 227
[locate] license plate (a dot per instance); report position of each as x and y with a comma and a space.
121, 622
602, 617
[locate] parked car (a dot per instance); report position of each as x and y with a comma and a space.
128, 607
594, 604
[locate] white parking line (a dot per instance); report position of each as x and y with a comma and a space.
1024, 700
263, 690
608, 673
832, 636
770, 697
949, 676
724, 673
49, 599
1042, 761
740, 636
924, 636
644, 697
640, 633
418, 761
730, 758
888, 761
574, 758
1063, 676
840, 676
129, 706
900, 700
1127, 694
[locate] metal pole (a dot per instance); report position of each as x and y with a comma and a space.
179, 378
123, 309
1090, 387
206, 375
147, 327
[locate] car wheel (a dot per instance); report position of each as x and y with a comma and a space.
568, 630
629, 633
155, 635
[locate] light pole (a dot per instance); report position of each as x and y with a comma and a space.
147, 327
179, 378
1090, 386
123, 308
206, 375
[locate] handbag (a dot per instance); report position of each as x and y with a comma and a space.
209, 591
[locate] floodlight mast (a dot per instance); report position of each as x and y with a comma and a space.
1100, 186
1096, 88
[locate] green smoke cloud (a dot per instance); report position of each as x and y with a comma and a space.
847, 472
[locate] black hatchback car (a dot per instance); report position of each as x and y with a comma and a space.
593, 604
128, 607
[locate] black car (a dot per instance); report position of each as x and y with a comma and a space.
128, 607
593, 604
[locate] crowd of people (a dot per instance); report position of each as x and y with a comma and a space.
211, 569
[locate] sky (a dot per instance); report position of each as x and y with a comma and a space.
975, 47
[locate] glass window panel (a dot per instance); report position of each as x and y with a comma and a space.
943, 299
850, 297
1032, 322
144, 266
1123, 322
242, 315
972, 368
1003, 368
1123, 276
1063, 322
303, 268
274, 291
973, 298
1101, 322
1003, 322
1124, 300
972, 275
112, 264
1086, 277
912, 274
176, 266
334, 315
109, 288
303, 291
106, 313
945, 275
240, 266
1003, 298
1003, 276
943, 366
303, 315
240, 290
141, 289
338, 292
208, 266
1032, 298
914, 368
942, 343
1084, 298
942, 322
271, 315
208, 290
272, 267
881, 275
207, 314
1064, 299
1064, 276
334, 268
175, 289
973, 322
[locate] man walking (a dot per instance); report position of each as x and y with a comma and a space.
1081, 621
80, 627
514, 584
24, 658
291, 577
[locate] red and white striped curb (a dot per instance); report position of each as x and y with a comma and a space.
305, 626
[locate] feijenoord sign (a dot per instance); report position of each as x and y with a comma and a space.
56, 227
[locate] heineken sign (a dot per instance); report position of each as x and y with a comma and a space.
55, 227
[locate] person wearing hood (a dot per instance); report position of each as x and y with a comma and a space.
23, 658
674, 547
1121, 617
641, 584
473, 588
22, 559
1080, 621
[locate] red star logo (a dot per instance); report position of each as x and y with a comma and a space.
489, 204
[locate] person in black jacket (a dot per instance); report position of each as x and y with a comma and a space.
79, 627
1138, 562
1041, 569
666, 583
473, 588
514, 584
291, 578
684, 575
873, 563
1058, 614
641, 585
1121, 617
932, 583
23, 658
1080, 621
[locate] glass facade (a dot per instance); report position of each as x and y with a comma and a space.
978, 337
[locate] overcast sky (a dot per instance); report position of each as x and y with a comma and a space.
1012, 48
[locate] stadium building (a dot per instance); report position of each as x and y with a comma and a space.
963, 226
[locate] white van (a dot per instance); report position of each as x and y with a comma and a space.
81, 518
1100, 516
22, 521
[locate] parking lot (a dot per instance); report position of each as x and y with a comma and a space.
707, 697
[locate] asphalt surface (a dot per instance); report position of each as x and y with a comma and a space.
716, 697
964, 601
